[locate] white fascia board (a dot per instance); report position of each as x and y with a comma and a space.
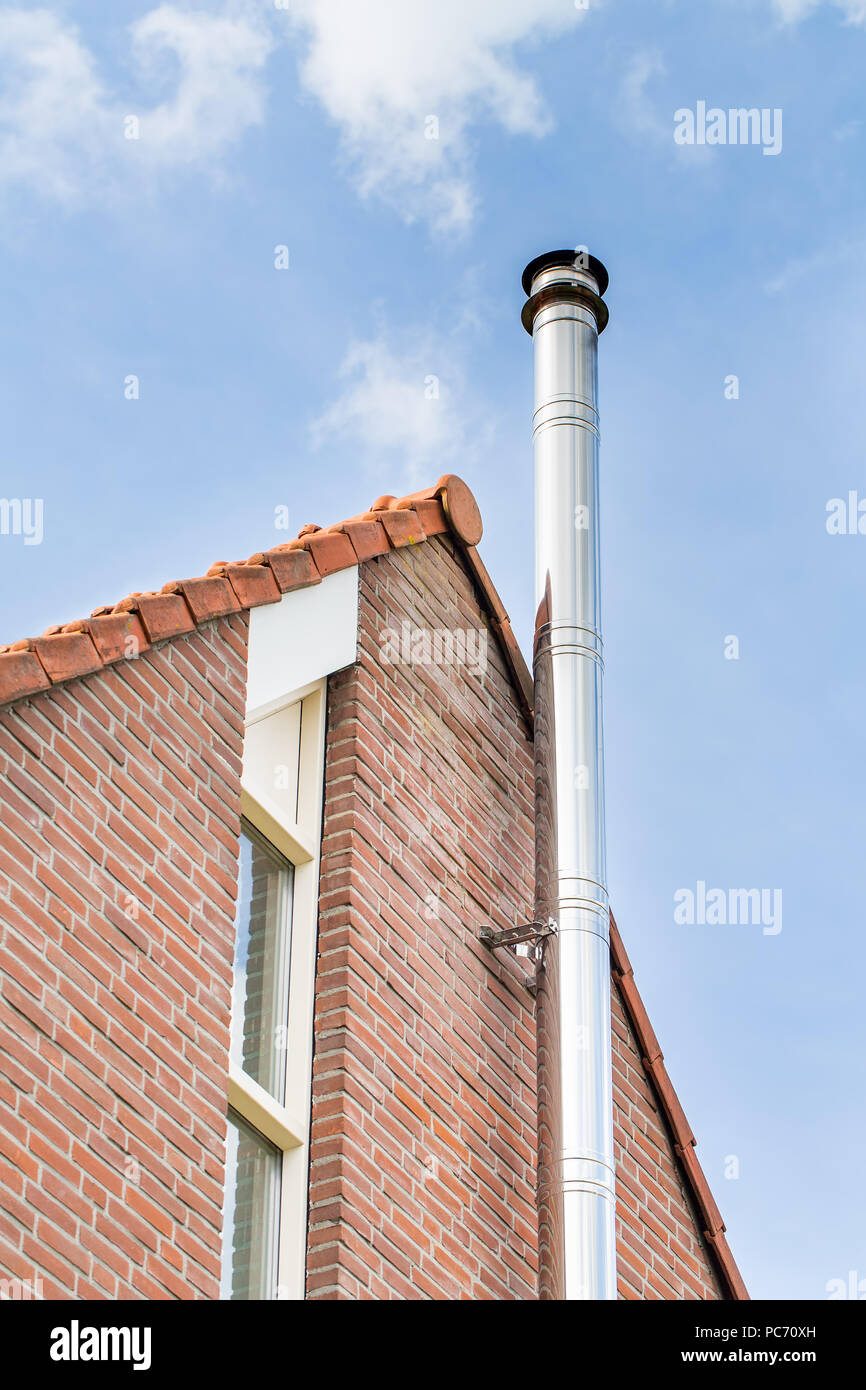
297, 642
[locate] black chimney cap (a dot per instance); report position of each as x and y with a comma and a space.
566, 257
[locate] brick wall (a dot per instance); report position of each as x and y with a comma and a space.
423, 1137
661, 1253
119, 843
423, 1134
118, 878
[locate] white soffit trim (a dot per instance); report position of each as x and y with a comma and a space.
308, 635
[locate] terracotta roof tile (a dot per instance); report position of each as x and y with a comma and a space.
114, 632
459, 505
711, 1216
210, 597
369, 538
67, 654
118, 635
330, 551
22, 674
652, 1053
726, 1261
253, 584
403, 527
162, 615
462, 512
292, 569
502, 627
684, 1139
432, 516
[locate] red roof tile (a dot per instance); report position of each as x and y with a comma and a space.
22, 673
67, 654
211, 597
117, 635
684, 1140
131, 626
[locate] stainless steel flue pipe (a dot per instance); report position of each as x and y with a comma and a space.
565, 312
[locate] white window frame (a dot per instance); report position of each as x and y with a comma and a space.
299, 841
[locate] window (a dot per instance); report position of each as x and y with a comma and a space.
270, 1067
252, 1213
260, 993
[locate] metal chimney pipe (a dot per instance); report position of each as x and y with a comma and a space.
565, 313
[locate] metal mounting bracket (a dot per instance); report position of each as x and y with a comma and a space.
534, 932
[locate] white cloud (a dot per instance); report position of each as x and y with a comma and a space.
792, 11
403, 414
220, 92
53, 109
382, 67
379, 69
816, 265
638, 114
62, 131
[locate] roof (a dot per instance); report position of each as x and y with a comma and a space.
79, 648
684, 1140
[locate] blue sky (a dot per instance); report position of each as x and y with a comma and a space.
303, 126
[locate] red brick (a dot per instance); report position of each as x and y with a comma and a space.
75, 968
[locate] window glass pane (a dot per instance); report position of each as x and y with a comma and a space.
251, 1213
260, 993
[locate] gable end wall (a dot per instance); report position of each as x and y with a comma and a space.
422, 1178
